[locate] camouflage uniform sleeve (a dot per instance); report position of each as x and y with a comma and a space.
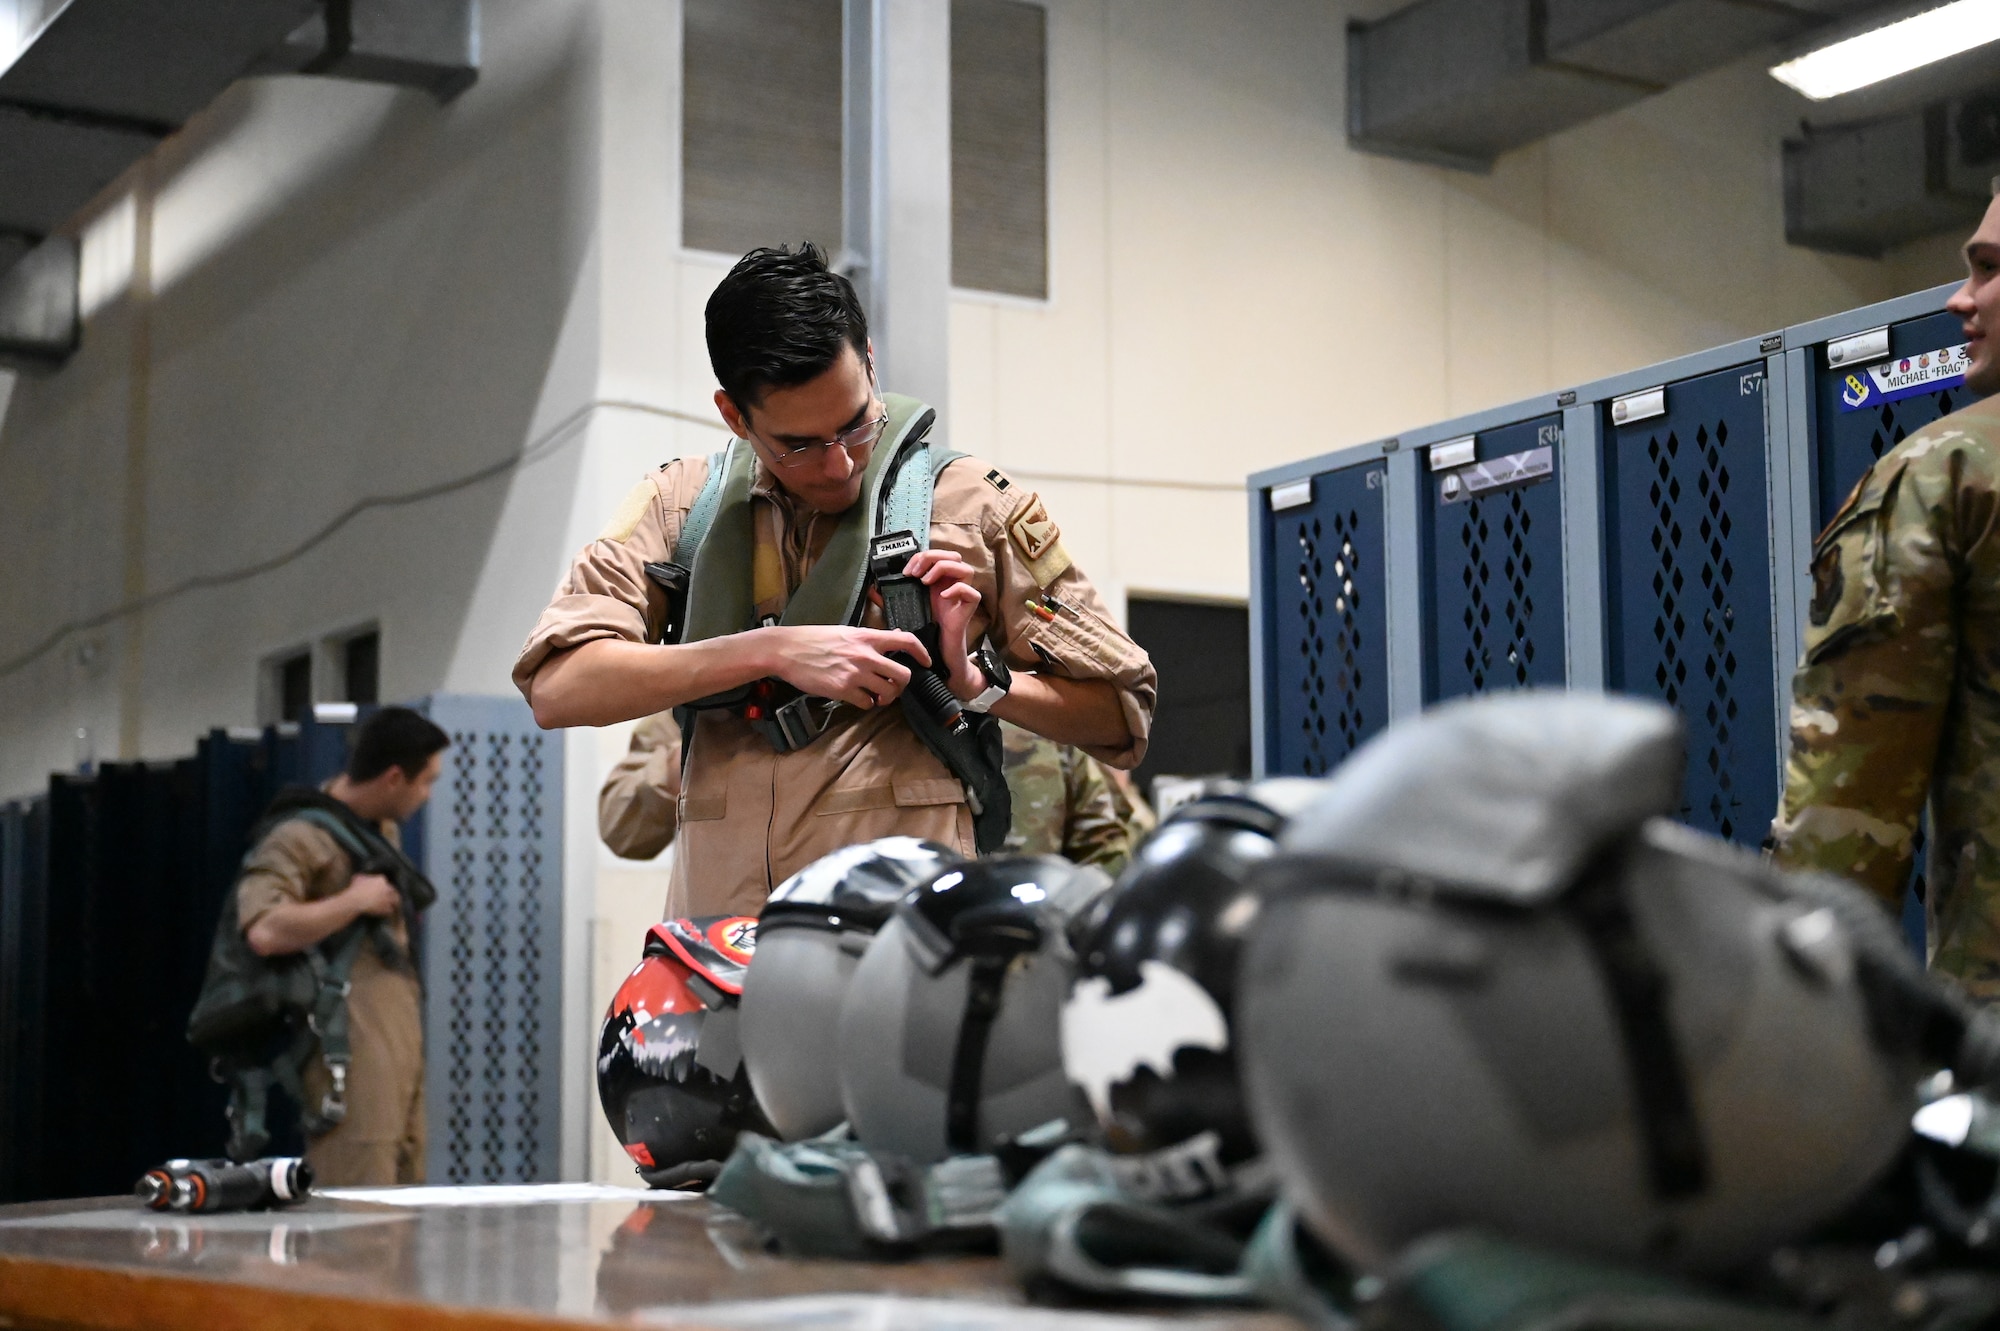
1094, 832
1870, 698
638, 809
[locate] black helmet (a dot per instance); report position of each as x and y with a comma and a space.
1148, 1027
948, 1039
1493, 988
669, 1073
812, 933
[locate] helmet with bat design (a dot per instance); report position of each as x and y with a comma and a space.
669, 1069
1147, 1029
809, 940
948, 1042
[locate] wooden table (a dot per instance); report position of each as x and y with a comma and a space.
331, 1264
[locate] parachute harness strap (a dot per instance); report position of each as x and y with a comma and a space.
1676, 1156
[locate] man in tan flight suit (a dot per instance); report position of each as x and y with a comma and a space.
297, 888
789, 345
1065, 801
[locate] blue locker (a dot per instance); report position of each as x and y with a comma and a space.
490, 840
1493, 565
1326, 636
1687, 533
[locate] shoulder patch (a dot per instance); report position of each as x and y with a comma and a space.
1039, 540
998, 480
631, 512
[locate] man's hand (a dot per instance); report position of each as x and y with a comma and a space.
849, 664
372, 894
298, 925
954, 601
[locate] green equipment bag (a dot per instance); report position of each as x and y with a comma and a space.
260, 1019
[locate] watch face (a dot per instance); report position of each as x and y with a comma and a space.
992, 666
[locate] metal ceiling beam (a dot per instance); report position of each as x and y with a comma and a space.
427, 44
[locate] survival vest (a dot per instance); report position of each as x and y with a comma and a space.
259, 1019
708, 585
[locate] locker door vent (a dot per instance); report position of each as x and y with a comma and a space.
1705, 646
1339, 662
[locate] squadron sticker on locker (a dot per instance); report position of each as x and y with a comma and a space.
1904, 376
1038, 538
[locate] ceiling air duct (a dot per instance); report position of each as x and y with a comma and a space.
1458, 82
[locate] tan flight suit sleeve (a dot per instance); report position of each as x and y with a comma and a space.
637, 810
295, 862
606, 593
1005, 532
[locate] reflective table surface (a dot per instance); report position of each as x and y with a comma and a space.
475, 1258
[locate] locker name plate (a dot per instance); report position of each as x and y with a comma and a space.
1639, 406
1861, 348
1509, 473
1454, 453
1292, 494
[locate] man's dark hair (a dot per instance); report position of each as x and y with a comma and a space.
393, 737
780, 319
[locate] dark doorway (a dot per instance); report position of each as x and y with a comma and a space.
1202, 652
363, 654
295, 689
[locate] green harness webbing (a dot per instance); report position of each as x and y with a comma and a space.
716, 540
713, 561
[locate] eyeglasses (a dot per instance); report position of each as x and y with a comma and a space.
854, 440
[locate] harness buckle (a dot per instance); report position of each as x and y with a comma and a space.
793, 725
333, 1105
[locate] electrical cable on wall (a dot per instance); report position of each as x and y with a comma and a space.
555, 438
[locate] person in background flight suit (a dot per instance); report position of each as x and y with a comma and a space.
789, 345
298, 888
1897, 702
1065, 802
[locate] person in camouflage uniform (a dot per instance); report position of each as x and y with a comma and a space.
1065, 802
1897, 702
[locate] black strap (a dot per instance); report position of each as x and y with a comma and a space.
1676, 1155
968, 1060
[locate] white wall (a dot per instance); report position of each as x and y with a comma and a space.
357, 293
1233, 287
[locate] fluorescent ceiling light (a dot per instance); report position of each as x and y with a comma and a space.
1896, 48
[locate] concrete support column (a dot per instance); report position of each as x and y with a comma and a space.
896, 196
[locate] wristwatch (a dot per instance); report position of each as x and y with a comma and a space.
998, 678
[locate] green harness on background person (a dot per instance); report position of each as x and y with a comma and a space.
260, 1019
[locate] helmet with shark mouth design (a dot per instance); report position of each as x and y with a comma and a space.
669, 1064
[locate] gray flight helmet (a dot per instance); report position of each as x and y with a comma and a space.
1493, 987
949, 1039
811, 934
